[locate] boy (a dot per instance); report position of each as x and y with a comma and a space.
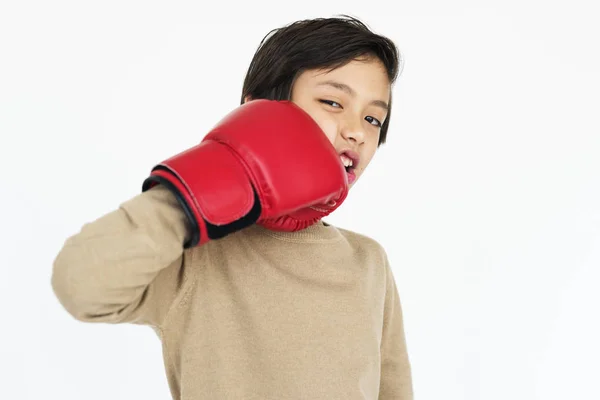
224, 253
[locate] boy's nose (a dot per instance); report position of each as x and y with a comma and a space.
353, 131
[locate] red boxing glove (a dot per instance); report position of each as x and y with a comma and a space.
267, 162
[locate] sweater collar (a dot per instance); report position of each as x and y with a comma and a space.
318, 232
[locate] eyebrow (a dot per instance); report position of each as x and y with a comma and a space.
351, 92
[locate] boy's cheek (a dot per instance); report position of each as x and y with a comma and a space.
327, 124
329, 127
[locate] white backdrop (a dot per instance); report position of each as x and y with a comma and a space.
486, 195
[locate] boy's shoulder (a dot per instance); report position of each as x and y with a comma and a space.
362, 242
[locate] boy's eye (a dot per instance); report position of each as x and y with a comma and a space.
373, 121
331, 103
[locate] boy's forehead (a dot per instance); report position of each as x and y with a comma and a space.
370, 76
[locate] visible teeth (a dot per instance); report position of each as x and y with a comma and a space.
346, 161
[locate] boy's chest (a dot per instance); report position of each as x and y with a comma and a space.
295, 322
292, 298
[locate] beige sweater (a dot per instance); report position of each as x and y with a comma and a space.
313, 314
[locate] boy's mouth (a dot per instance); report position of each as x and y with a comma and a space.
350, 160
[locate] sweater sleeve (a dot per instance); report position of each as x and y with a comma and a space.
126, 266
396, 375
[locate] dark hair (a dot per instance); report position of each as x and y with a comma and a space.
321, 43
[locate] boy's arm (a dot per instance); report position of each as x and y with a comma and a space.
396, 375
124, 266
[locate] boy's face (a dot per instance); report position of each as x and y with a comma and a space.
350, 105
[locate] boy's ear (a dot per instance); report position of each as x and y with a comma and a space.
247, 98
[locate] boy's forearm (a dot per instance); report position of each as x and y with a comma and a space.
106, 266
